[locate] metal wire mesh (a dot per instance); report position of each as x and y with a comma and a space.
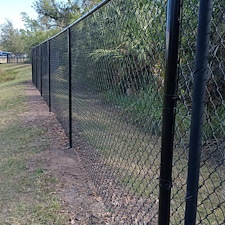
117, 77
34, 65
60, 79
38, 68
211, 202
117, 103
187, 48
45, 71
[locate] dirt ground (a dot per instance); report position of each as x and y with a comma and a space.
75, 189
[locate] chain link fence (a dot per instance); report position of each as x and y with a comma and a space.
104, 79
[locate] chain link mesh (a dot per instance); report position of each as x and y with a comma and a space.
187, 48
117, 77
38, 68
117, 103
34, 65
45, 71
60, 79
211, 201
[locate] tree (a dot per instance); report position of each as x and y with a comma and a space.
88, 4
57, 14
135, 38
52, 17
32, 25
11, 39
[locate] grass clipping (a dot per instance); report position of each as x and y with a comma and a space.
26, 195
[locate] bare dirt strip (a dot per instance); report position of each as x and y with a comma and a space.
75, 189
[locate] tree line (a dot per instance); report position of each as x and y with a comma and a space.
53, 16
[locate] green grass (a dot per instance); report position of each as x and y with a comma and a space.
26, 194
133, 155
143, 110
7, 74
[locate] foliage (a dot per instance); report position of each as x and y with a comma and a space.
12, 39
124, 42
124, 45
57, 14
52, 17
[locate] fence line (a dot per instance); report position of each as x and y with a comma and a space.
103, 77
13, 59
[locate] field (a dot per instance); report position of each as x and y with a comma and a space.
36, 185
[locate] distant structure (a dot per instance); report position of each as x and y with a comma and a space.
9, 57
2, 53
4, 56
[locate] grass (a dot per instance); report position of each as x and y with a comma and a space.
26, 193
133, 156
143, 110
7, 74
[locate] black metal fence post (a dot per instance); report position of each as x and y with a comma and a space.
49, 75
170, 97
35, 66
200, 77
32, 64
33, 56
70, 86
41, 62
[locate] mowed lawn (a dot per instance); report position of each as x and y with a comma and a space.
27, 192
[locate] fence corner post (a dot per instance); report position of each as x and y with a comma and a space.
169, 104
199, 89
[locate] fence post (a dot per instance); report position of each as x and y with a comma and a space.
32, 63
170, 98
40, 50
36, 65
199, 89
49, 75
70, 85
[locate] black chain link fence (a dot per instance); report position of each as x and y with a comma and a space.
45, 71
60, 79
103, 77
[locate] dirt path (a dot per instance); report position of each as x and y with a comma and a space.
75, 189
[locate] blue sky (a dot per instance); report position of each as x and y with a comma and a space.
11, 10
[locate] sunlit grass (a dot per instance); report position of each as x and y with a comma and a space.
26, 195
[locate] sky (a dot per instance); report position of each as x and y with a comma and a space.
11, 10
